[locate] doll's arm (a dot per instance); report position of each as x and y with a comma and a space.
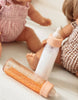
36, 17
67, 30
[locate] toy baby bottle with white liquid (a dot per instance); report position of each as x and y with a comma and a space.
49, 54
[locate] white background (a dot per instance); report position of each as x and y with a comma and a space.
65, 83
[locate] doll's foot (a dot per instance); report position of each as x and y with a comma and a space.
32, 60
46, 22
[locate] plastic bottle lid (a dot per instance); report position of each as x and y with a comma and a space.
55, 40
47, 89
52, 92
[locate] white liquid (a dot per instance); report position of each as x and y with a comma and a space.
47, 61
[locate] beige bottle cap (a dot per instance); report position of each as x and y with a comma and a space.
54, 42
46, 89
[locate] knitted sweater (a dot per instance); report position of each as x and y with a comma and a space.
69, 54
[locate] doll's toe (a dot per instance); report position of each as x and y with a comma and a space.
32, 60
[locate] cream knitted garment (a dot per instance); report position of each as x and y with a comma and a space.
70, 52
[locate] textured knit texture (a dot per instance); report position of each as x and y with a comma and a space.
12, 20
70, 52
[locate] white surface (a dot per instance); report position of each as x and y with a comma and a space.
65, 83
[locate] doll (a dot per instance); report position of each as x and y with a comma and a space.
68, 53
12, 23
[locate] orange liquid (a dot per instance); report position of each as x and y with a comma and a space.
30, 80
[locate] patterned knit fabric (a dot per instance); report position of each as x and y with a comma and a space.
12, 20
70, 52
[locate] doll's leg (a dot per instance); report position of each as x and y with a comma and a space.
33, 58
30, 37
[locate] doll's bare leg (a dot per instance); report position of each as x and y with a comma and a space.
30, 37
33, 58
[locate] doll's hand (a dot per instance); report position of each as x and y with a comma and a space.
0, 49
45, 22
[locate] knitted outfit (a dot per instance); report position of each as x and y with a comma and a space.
12, 20
69, 54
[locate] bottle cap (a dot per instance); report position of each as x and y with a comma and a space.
55, 40
46, 89
52, 92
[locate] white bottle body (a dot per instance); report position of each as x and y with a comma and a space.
48, 58
47, 61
